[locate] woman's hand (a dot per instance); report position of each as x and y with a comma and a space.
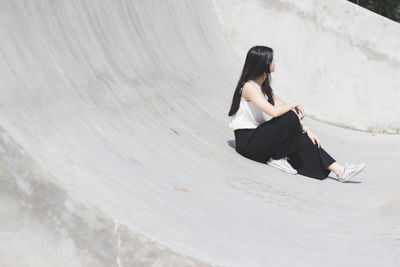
314, 138
299, 109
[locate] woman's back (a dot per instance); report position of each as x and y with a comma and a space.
248, 116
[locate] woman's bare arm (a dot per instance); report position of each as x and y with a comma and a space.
276, 102
254, 95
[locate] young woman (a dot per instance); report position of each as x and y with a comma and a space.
269, 132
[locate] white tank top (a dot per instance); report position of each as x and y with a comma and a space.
248, 116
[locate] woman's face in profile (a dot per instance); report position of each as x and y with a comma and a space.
272, 66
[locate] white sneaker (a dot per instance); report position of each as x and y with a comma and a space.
350, 170
281, 164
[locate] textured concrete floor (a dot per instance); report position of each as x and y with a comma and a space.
115, 148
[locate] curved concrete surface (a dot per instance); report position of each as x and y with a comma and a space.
116, 151
346, 57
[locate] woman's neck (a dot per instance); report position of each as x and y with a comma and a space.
259, 82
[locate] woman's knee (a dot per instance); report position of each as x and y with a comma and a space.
291, 116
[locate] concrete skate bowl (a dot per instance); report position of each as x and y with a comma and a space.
116, 150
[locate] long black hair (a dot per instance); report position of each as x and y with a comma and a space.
258, 61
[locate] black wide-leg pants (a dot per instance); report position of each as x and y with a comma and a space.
282, 136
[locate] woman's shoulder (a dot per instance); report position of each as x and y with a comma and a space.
245, 87
249, 85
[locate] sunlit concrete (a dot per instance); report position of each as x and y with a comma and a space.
342, 62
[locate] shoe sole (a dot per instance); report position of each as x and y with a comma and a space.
279, 168
352, 175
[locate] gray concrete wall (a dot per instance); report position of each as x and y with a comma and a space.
340, 61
